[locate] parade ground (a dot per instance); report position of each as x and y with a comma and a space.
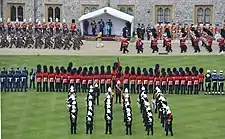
44, 115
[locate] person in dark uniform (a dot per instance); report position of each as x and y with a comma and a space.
149, 125
101, 26
73, 120
214, 82
102, 79
10, 80
89, 123
97, 94
86, 25
208, 81
128, 124
142, 31
57, 80
94, 26
45, 78
17, 79
24, 81
133, 80
109, 23
4, 75
84, 80
221, 79
119, 89
32, 79
169, 121
108, 121
148, 31
39, 78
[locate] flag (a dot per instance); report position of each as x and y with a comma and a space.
118, 62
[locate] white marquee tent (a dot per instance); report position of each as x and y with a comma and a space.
118, 19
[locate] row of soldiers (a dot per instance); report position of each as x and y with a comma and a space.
53, 27
174, 29
14, 80
145, 110
40, 40
164, 113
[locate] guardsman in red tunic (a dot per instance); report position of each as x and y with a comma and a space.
164, 82
133, 80
157, 80
151, 81
139, 45
51, 26
170, 82
45, 79
30, 25
39, 80
201, 79
51, 77
126, 77
73, 27
57, 25
58, 81
24, 25
139, 80
154, 43
65, 28
96, 76
189, 83
44, 25
183, 83
124, 44
177, 83
196, 83
102, 79
64, 81
9, 25
17, 25
168, 42
78, 81
222, 44
145, 80
183, 45
119, 87
71, 78
108, 78
37, 26
84, 80
1, 25
90, 78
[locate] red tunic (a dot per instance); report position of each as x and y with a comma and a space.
65, 78
37, 26
120, 79
45, 76
30, 25
44, 26
78, 79
96, 79
189, 80
164, 81
39, 77
102, 78
51, 25
57, 25
157, 81
183, 42
9, 25
133, 79
201, 78
151, 80
183, 80
126, 79
124, 43
114, 75
17, 25
139, 79
71, 79
168, 42
222, 42
84, 79
58, 78
170, 80
51, 77
90, 79
73, 27
177, 80
210, 41
24, 25
108, 78
154, 42
145, 80
64, 26
196, 80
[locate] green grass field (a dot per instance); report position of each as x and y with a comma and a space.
44, 115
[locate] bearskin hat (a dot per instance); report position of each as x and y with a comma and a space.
151, 73
196, 73
62, 69
197, 33
56, 68
157, 66
144, 69
90, 69
177, 73
180, 69
193, 69
39, 66
58, 71
45, 68
127, 70
85, 69
75, 70
72, 72
150, 70
132, 70
84, 72
145, 72
154, 35
102, 69
187, 69
109, 67
51, 69
168, 70
163, 70
80, 69
69, 69
174, 70
120, 68
70, 64
163, 74
201, 70
138, 70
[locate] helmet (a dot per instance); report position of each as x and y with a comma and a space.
143, 88
126, 90
109, 89
64, 20
24, 20
208, 71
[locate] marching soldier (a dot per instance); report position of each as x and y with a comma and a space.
51, 26
51, 79
149, 125
57, 25
119, 89
97, 94
24, 79
108, 120
30, 25
139, 46
10, 80
65, 28
17, 25
39, 78
208, 80
10, 25
169, 120
44, 26
73, 27
154, 43
3, 77
221, 79
2, 27
17, 79
124, 45
45, 79
73, 120
24, 25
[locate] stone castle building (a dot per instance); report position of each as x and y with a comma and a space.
144, 11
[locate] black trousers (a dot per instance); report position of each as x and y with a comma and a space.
138, 88
197, 49
163, 87
183, 89
189, 89
73, 128
65, 87
58, 87
169, 129
214, 87
51, 87
201, 87
222, 49
125, 49
170, 89
146, 88
126, 86
196, 89
97, 99
84, 88
150, 128
133, 89
151, 90
32, 84
118, 97
89, 128
128, 129
39, 88
45, 86
139, 49
220, 89
108, 85
177, 89
155, 49
78, 87
183, 48
208, 87
102, 88
108, 127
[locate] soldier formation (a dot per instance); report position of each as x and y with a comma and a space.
51, 35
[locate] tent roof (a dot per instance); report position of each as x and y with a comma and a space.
110, 11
